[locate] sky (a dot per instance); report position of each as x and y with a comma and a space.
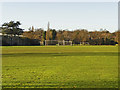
62, 15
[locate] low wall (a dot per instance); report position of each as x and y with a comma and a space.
18, 41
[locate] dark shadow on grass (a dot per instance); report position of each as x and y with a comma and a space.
61, 54
74, 84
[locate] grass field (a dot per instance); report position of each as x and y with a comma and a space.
60, 66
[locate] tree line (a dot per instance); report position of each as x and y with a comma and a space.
102, 37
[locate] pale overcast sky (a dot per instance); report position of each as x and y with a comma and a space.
63, 15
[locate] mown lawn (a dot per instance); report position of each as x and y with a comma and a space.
60, 66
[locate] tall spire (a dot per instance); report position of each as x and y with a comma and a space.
32, 28
48, 26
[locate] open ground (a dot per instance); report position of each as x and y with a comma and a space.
60, 66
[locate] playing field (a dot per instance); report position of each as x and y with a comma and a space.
60, 66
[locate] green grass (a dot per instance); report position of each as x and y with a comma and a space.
60, 66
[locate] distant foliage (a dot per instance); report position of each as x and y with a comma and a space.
102, 37
11, 28
76, 36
